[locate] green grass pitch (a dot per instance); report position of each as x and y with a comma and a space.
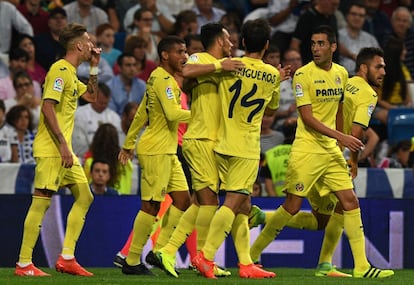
113, 276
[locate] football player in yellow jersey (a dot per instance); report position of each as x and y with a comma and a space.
199, 141
56, 164
245, 96
157, 151
315, 159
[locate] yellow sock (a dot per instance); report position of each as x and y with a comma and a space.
333, 233
272, 229
268, 215
169, 222
184, 228
32, 225
219, 230
303, 221
202, 224
76, 217
141, 233
355, 232
241, 238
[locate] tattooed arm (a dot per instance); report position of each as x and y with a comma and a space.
92, 86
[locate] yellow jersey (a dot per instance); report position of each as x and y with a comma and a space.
63, 86
205, 102
244, 96
324, 90
161, 110
359, 103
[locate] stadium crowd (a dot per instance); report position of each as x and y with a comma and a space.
129, 35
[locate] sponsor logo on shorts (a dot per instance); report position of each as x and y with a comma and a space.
299, 187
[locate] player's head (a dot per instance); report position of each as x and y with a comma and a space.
255, 35
74, 38
172, 53
370, 65
323, 45
213, 34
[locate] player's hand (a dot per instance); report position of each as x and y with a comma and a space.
231, 65
284, 71
353, 168
66, 154
95, 56
351, 142
125, 155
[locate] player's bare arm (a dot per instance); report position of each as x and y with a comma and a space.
48, 110
309, 120
125, 155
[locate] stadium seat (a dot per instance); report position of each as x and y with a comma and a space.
400, 125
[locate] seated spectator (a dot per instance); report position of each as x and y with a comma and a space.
32, 10
193, 44
268, 137
4, 70
394, 92
35, 70
100, 176
89, 117
126, 87
84, 12
109, 6
105, 72
185, 24
17, 62
206, 12
162, 22
105, 145
11, 19
176, 6
377, 23
257, 189
352, 38
126, 119
142, 26
20, 118
105, 38
6, 137
136, 46
48, 48
23, 85
398, 156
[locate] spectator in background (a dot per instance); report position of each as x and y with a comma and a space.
4, 70
11, 19
83, 12
283, 16
136, 46
35, 70
398, 156
321, 13
20, 119
37, 17
401, 22
48, 48
176, 6
89, 117
105, 38
269, 138
377, 22
100, 176
206, 12
162, 22
394, 92
287, 104
23, 84
110, 8
353, 38
105, 145
185, 24
126, 87
142, 24
17, 62
126, 119
6, 140
193, 44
